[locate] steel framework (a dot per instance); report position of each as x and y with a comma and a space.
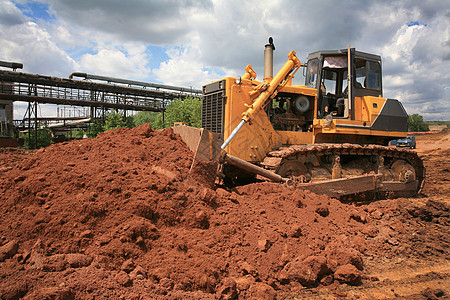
119, 94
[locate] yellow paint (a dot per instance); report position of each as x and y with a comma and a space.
296, 138
246, 101
254, 140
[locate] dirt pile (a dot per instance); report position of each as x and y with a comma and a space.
119, 217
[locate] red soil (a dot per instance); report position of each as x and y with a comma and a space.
119, 217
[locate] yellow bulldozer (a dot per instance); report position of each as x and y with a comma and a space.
330, 135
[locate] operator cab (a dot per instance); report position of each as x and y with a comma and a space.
327, 71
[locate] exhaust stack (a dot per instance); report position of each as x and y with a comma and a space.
268, 59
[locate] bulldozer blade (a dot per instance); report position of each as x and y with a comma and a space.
207, 152
204, 143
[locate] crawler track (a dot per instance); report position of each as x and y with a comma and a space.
275, 159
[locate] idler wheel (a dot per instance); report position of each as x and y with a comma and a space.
403, 171
294, 169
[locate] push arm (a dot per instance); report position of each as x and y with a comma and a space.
270, 89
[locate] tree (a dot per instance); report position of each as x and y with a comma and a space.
143, 117
76, 134
94, 128
416, 123
114, 120
188, 111
44, 138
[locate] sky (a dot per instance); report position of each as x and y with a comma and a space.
193, 42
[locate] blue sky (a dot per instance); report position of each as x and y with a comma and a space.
191, 43
415, 23
35, 10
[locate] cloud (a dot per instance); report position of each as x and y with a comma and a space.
10, 15
190, 43
183, 68
151, 21
128, 62
414, 60
31, 45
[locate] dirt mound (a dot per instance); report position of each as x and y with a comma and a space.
118, 216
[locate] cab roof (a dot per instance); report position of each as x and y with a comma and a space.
342, 52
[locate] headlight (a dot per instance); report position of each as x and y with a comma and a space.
329, 119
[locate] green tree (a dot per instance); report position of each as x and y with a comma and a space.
129, 122
44, 138
416, 123
188, 111
143, 117
114, 120
95, 128
76, 134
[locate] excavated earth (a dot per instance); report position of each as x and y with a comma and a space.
119, 217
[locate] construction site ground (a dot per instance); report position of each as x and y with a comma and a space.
120, 217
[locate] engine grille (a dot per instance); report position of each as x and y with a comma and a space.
213, 106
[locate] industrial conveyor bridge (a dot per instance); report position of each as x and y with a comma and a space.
94, 94
115, 94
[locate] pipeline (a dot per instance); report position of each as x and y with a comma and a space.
134, 82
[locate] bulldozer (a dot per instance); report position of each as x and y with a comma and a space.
330, 135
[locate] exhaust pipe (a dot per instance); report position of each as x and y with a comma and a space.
268, 59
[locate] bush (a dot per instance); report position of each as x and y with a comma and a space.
94, 128
188, 110
143, 117
44, 138
416, 123
114, 120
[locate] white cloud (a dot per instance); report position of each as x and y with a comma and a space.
151, 21
208, 39
70, 36
129, 61
403, 42
184, 68
32, 45
397, 81
416, 59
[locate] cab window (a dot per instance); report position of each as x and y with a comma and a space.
311, 74
373, 75
329, 82
368, 74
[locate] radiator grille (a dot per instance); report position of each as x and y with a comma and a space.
213, 107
